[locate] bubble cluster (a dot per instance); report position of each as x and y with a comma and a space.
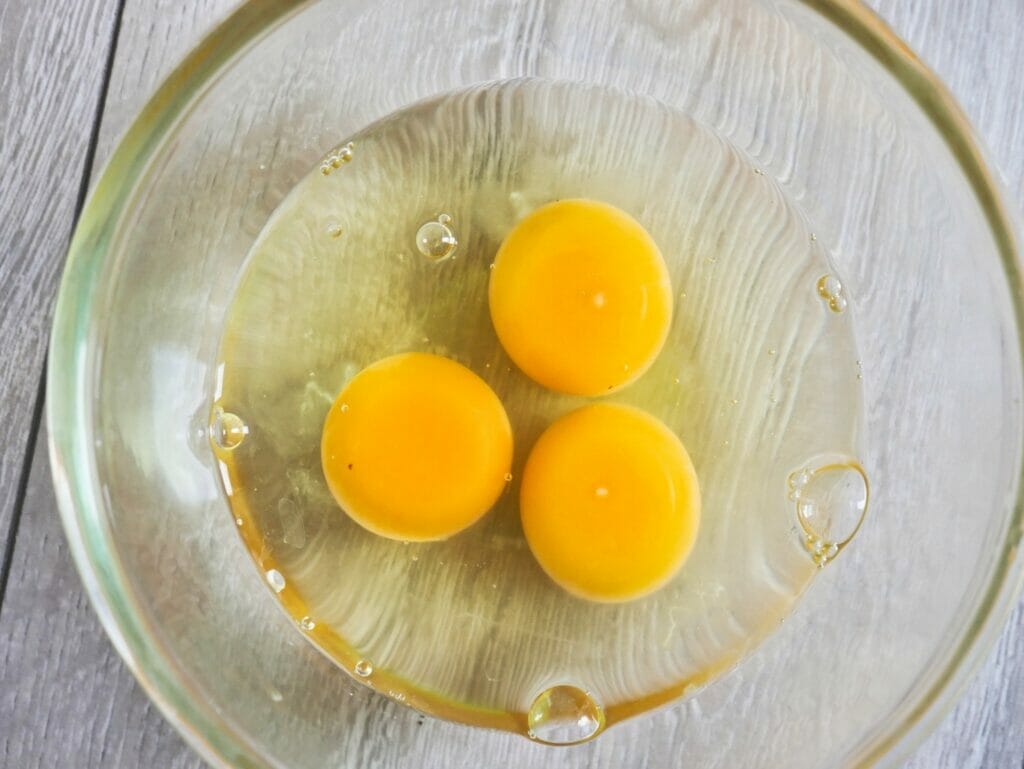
796, 482
831, 501
336, 158
831, 290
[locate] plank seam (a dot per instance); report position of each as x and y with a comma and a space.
40, 397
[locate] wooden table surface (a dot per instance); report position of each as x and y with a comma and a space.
72, 75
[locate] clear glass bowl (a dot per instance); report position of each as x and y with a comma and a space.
822, 97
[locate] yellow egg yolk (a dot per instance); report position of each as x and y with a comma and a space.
416, 447
610, 502
580, 297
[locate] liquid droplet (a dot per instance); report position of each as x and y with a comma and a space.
436, 240
227, 430
364, 668
564, 715
276, 580
831, 501
306, 623
831, 290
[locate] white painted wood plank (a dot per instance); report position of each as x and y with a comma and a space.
66, 698
155, 36
53, 56
112, 724
977, 48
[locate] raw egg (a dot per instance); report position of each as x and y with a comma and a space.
416, 447
610, 502
580, 297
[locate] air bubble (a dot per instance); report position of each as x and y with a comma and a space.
276, 580
306, 623
564, 715
831, 290
227, 430
436, 240
364, 668
797, 481
508, 477
831, 501
334, 230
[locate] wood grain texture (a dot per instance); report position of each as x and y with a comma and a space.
65, 697
977, 48
155, 36
51, 75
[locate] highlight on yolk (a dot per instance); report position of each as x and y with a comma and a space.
610, 502
580, 297
416, 447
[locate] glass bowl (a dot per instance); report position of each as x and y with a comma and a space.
821, 97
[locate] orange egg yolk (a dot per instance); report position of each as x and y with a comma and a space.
580, 297
610, 502
416, 447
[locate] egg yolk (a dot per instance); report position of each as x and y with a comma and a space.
416, 447
580, 297
610, 502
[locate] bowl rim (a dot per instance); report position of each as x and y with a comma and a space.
70, 410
